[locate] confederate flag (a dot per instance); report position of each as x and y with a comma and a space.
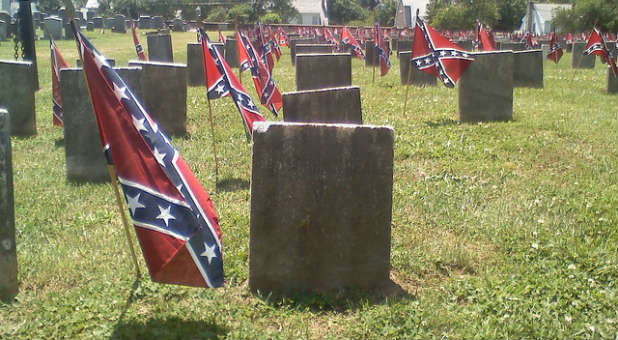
57, 63
381, 51
555, 50
596, 45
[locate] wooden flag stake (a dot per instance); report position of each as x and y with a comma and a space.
405, 101
70, 10
212, 122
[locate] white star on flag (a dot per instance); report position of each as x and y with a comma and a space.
120, 92
165, 215
209, 252
133, 203
139, 124
159, 156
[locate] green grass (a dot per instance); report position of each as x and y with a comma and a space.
500, 230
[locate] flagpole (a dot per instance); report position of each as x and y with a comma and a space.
70, 10
405, 102
212, 121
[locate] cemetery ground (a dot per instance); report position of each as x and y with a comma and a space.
499, 230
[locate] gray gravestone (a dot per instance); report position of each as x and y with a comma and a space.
164, 94
321, 207
415, 77
111, 62
334, 105
318, 71
528, 68
466, 45
160, 47
178, 25
4, 30
89, 26
144, 22
8, 253
313, 48
98, 22
231, 52
118, 24
5, 16
17, 88
293, 43
90, 15
612, 83
580, 60
486, 88
404, 46
545, 49
108, 23
512, 46
195, 65
371, 57
85, 161
68, 31
158, 22
54, 26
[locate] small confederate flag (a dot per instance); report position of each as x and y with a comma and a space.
266, 48
483, 40
175, 222
555, 50
57, 63
262, 79
348, 39
221, 37
385, 64
221, 82
138, 47
596, 45
274, 43
282, 37
530, 41
434, 54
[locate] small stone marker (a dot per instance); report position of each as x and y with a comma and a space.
17, 88
528, 68
579, 60
85, 161
231, 53
293, 43
164, 94
612, 83
334, 105
486, 88
160, 47
318, 71
195, 65
8, 254
321, 207
54, 26
417, 77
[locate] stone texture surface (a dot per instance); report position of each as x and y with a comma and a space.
318, 71
371, 57
8, 254
164, 94
54, 26
17, 88
512, 46
160, 47
313, 49
579, 60
321, 207
404, 45
84, 155
334, 105
418, 78
528, 68
231, 52
612, 83
486, 88
4, 29
195, 65
293, 43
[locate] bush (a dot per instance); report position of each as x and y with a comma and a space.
271, 18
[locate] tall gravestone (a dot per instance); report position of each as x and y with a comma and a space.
321, 207
371, 57
231, 52
486, 88
158, 22
318, 71
164, 94
528, 68
54, 27
411, 75
404, 46
98, 22
4, 30
579, 60
8, 253
160, 47
195, 65
118, 24
293, 43
512, 46
17, 86
333, 105
84, 155
612, 83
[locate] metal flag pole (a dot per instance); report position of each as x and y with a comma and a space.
410, 66
212, 122
70, 10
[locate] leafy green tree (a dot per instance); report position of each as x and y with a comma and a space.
462, 14
385, 12
271, 18
243, 14
511, 12
343, 11
586, 14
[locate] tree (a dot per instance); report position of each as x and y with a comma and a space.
385, 12
586, 14
511, 12
342, 11
462, 14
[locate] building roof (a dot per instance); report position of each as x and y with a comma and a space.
307, 6
414, 4
548, 11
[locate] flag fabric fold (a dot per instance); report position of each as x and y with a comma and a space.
348, 39
596, 45
483, 41
141, 55
174, 219
434, 54
57, 63
381, 51
266, 48
555, 50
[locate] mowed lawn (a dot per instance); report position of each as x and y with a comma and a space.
499, 230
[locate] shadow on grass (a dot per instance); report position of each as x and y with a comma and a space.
232, 184
162, 328
341, 301
442, 122
59, 142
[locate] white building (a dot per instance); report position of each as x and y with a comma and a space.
542, 15
311, 12
406, 12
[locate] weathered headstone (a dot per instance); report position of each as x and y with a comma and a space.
68, 31
293, 43
90, 15
160, 47
404, 46
17, 88
486, 88
5, 16
318, 71
83, 151
164, 94
144, 22
371, 57
528, 68
231, 52
118, 24
579, 60
195, 65
158, 22
8, 253
178, 25
411, 75
512, 46
333, 105
612, 83
54, 26
90, 26
4, 28
98, 22
321, 207
314, 48
111, 62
